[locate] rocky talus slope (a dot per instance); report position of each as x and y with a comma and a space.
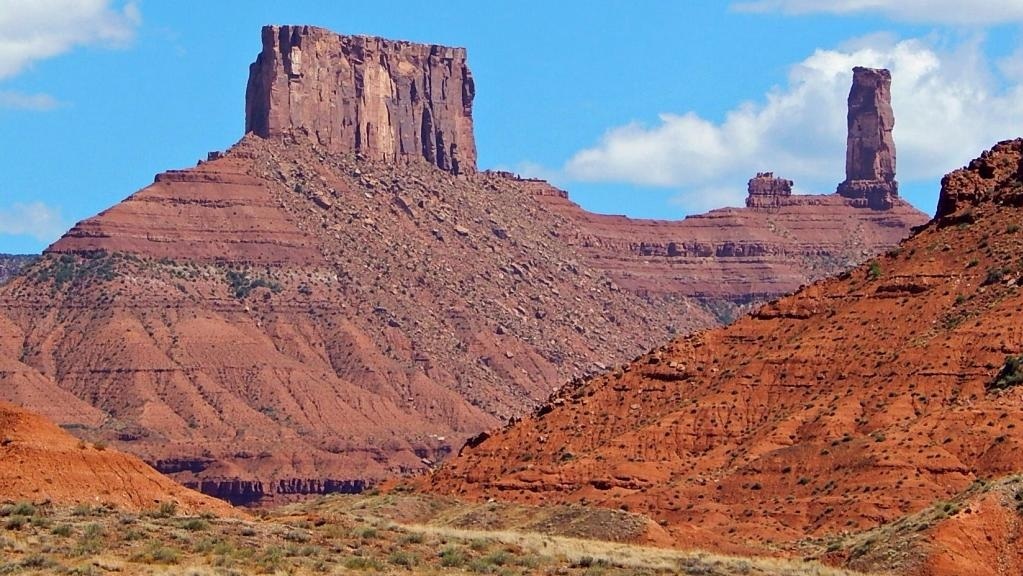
281, 320
848, 405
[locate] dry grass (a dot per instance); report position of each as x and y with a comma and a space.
341, 535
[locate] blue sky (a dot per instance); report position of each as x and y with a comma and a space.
652, 109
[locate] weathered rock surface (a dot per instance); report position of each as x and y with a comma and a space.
42, 463
385, 99
852, 403
10, 264
870, 149
766, 191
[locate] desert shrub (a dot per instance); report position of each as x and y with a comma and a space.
23, 509
15, 522
297, 536
271, 559
195, 525
156, 553
1010, 375
411, 538
994, 276
61, 530
403, 559
365, 532
362, 563
874, 271
166, 510
38, 562
452, 557
241, 284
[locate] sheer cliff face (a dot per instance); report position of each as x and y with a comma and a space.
388, 100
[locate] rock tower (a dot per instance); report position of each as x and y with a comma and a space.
870, 149
388, 100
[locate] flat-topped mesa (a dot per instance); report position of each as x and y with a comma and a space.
766, 191
388, 100
870, 149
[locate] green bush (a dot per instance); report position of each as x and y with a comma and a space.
403, 559
452, 557
156, 553
242, 285
166, 510
874, 271
1010, 375
61, 530
195, 525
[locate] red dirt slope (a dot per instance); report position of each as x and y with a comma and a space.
41, 462
849, 404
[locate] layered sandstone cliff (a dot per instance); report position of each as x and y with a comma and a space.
385, 99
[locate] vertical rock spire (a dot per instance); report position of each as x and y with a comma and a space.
870, 149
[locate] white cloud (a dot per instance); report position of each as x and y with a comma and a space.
699, 200
23, 101
948, 108
34, 219
954, 12
33, 30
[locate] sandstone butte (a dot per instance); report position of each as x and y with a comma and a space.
343, 297
43, 463
878, 410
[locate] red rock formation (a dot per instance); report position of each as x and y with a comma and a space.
303, 313
870, 149
849, 404
733, 256
340, 320
766, 191
42, 463
382, 98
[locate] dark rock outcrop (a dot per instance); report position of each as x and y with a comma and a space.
983, 181
870, 149
385, 99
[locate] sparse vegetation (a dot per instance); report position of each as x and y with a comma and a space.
1010, 375
242, 285
71, 269
874, 270
994, 276
349, 535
